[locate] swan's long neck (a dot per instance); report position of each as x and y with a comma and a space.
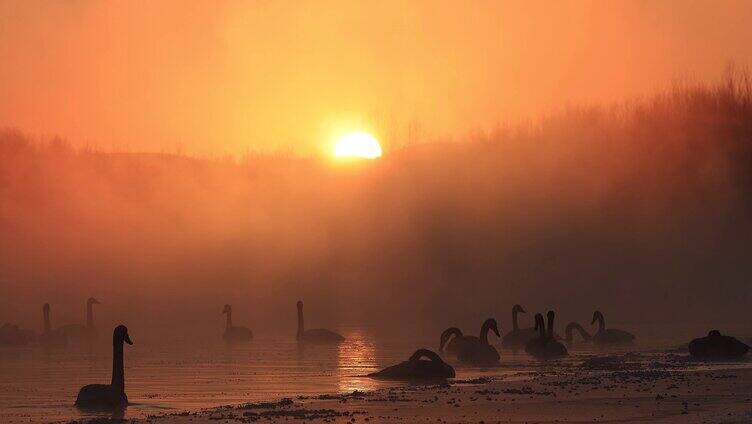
601, 323
484, 333
583, 333
301, 327
47, 322
541, 328
89, 315
515, 326
118, 373
229, 319
550, 329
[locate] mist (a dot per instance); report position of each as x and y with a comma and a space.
640, 208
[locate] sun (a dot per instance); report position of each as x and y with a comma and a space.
359, 144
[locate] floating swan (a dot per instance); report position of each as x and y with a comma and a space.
545, 345
416, 368
717, 346
82, 332
571, 327
235, 333
453, 344
11, 335
518, 337
109, 396
50, 337
609, 336
317, 335
477, 350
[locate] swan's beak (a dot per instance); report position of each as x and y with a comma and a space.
127, 339
522, 310
496, 331
96, 302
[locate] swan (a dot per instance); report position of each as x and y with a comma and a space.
416, 368
717, 346
477, 350
545, 345
609, 336
109, 396
586, 337
235, 333
518, 337
317, 335
78, 331
453, 344
50, 337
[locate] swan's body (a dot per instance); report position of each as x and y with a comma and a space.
518, 337
609, 336
109, 396
235, 333
717, 346
316, 335
477, 350
416, 368
545, 345
571, 327
50, 337
79, 332
11, 335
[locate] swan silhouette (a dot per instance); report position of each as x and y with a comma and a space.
717, 346
235, 333
609, 336
316, 335
453, 344
477, 350
417, 368
545, 345
50, 337
571, 327
109, 396
82, 332
518, 337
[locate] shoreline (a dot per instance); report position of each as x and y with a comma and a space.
614, 389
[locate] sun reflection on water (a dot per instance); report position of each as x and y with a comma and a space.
356, 358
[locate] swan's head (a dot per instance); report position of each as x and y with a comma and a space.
597, 316
92, 301
551, 315
493, 326
300, 305
227, 309
517, 308
46, 307
121, 333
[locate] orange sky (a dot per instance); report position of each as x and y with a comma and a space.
227, 77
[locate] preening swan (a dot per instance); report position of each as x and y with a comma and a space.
109, 396
317, 335
717, 346
518, 337
50, 337
609, 336
571, 327
82, 332
417, 368
478, 350
235, 333
545, 345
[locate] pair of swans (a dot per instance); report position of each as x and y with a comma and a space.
108, 396
470, 349
545, 345
72, 332
519, 337
604, 336
418, 369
